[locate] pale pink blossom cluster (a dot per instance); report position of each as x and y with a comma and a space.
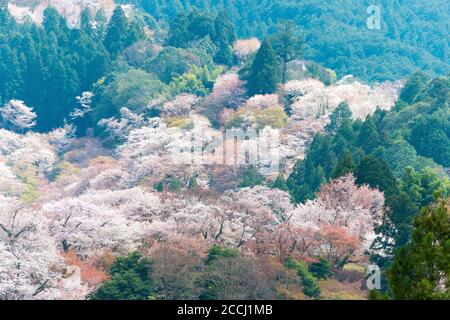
341, 203
311, 98
246, 47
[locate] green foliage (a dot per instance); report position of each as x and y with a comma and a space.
174, 185
198, 81
321, 269
180, 122
310, 173
192, 183
159, 187
336, 33
263, 77
186, 28
341, 114
187, 83
225, 38
378, 295
430, 135
369, 136
274, 117
413, 87
421, 269
399, 154
287, 45
375, 173
421, 186
308, 281
174, 62
130, 280
279, 183
116, 39
48, 66
132, 89
216, 252
251, 178
345, 165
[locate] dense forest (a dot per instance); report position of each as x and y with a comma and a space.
335, 34
104, 196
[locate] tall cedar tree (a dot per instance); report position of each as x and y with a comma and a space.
225, 38
116, 35
287, 46
264, 74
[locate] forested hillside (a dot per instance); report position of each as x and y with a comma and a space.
414, 33
161, 153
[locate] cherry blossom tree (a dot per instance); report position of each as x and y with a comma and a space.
342, 212
29, 260
337, 245
10, 185
176, 263
243, 48
182, 105
228, 220
87, 271
311, 97
277, 201
263, 101
81, 225
118, 129
228, 93
62, 138
17, 116
358, 208
85, 105
28, 154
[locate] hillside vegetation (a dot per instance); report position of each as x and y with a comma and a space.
136, 163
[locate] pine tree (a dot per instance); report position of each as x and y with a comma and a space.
421, 270
129, 280
287, 45
51, 20
264, 74
251, 178
117, 33
415, 84
296, 182
279, 183
225, 38
341, 114
345, 165
321, 269
86, 21
101, 23
369, 137
376, 174
179, 34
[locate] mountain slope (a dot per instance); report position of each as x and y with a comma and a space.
414, 34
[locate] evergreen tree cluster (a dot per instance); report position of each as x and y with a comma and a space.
421, 269
187, 28
48, 66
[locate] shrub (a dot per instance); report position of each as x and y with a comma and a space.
308, 281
